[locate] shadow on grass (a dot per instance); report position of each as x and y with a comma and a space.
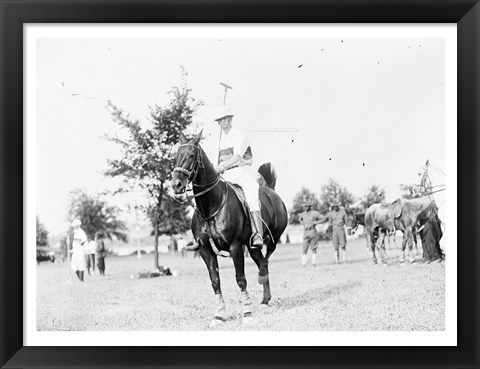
315, 295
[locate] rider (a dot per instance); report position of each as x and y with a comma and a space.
235, 161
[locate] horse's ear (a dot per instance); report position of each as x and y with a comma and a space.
197, 138
183, 139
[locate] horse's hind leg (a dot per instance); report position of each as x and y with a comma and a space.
236, 251
262, 264
211, 261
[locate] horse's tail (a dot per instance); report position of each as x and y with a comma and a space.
267, 171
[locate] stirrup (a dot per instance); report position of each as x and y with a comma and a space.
256, 241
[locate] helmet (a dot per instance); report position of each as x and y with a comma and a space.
223, 111
76, 223
336, 203
308, 203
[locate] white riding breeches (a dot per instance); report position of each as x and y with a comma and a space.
246, 177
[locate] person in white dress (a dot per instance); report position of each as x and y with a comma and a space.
79, 243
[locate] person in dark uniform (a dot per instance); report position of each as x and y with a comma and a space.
338, 218
309, 219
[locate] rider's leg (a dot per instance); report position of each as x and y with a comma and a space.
257, 225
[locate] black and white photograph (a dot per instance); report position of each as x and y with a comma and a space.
242, 180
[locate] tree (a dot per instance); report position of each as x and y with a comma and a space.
96, 215
332, 192
374, 195
299, 200
410, 191
148, 157
42, 234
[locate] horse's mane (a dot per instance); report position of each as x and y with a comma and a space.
268, 173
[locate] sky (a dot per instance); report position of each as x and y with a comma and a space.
360, 110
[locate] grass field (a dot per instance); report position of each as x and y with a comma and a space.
354, 296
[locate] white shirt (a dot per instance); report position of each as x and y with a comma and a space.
79, 240
92, 247
235, 143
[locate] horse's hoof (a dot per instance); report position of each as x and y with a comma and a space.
248, 321
217, 321
262, 279
385, 264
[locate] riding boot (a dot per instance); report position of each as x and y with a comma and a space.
344, 256
337, 257
77, 272
81, 275
314, 259
257, 239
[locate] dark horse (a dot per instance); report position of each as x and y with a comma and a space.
221, 224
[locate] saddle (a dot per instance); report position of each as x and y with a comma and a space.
388, 212
240, 196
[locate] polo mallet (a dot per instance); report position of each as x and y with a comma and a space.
227, 87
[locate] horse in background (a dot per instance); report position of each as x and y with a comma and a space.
221, 223
401, 215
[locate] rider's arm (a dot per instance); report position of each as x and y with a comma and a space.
230, 162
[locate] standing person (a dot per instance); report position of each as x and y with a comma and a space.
90, 256
78, 249
338, 218
235, 159
309, 219
101, 253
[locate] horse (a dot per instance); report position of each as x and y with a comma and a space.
221, 223
359, 219
403, 215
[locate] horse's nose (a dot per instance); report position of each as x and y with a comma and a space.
177, 185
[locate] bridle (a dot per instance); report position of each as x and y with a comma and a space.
192, 175
193, 171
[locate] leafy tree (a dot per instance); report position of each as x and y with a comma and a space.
42, 234
96, 215
410, 191
299, 200
148, 157
173, 218
332, 192
374, 195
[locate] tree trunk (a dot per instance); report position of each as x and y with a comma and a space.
155, 230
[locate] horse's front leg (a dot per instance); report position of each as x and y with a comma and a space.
211, 262
381, 246
236, 252
371, 245
406, 238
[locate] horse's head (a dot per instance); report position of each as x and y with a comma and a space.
186, 163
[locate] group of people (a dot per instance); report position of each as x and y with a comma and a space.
85, 250
337, 220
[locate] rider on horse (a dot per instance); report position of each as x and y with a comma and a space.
235, 161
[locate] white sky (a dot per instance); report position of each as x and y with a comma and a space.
373, 101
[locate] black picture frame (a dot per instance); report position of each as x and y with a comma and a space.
14, 14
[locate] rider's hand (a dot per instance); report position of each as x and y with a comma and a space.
220, 169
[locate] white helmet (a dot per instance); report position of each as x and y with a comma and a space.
223, 111
76, 222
